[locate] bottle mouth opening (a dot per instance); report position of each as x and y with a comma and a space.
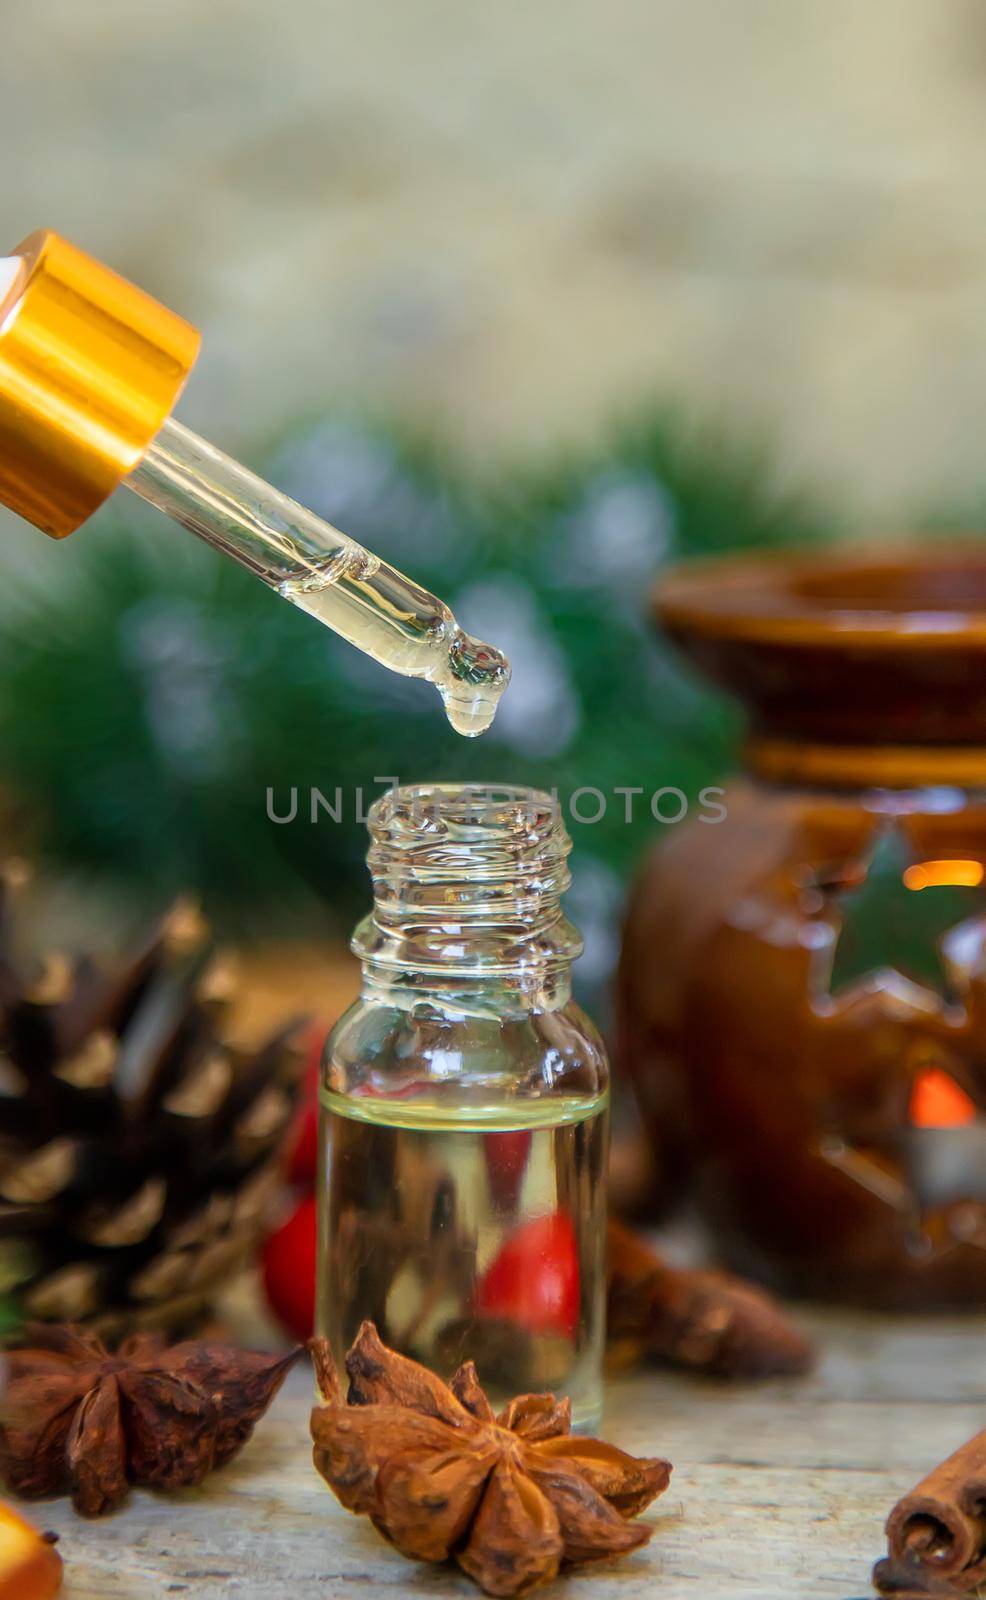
470, 811
467, 874
467, 840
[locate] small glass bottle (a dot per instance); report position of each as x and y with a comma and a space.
464, 1104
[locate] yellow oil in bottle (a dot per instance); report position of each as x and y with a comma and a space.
469, 1232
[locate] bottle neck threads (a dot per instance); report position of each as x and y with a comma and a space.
467, 882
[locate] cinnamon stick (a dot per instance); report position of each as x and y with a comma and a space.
940, 1526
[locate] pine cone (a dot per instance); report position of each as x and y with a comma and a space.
138, 1145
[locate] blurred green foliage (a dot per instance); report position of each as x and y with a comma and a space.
151, 693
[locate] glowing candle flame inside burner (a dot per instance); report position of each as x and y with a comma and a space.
937, 1101
944, 874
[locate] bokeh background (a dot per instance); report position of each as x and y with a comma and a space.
534, 299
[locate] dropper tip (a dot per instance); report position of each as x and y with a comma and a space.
471, 691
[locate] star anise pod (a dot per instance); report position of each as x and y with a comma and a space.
512, 1498
76, 1419
700, 1318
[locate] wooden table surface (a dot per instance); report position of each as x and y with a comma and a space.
778, 1490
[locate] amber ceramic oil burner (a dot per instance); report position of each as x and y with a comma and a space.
802, 991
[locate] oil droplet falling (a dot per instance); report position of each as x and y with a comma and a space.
475, 678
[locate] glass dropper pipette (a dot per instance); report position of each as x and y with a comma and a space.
322, 572
90, 368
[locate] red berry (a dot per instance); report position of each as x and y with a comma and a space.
534, 1280
289, 1270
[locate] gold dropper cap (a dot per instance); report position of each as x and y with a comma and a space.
90, 368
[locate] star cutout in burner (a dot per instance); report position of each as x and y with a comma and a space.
892, 913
